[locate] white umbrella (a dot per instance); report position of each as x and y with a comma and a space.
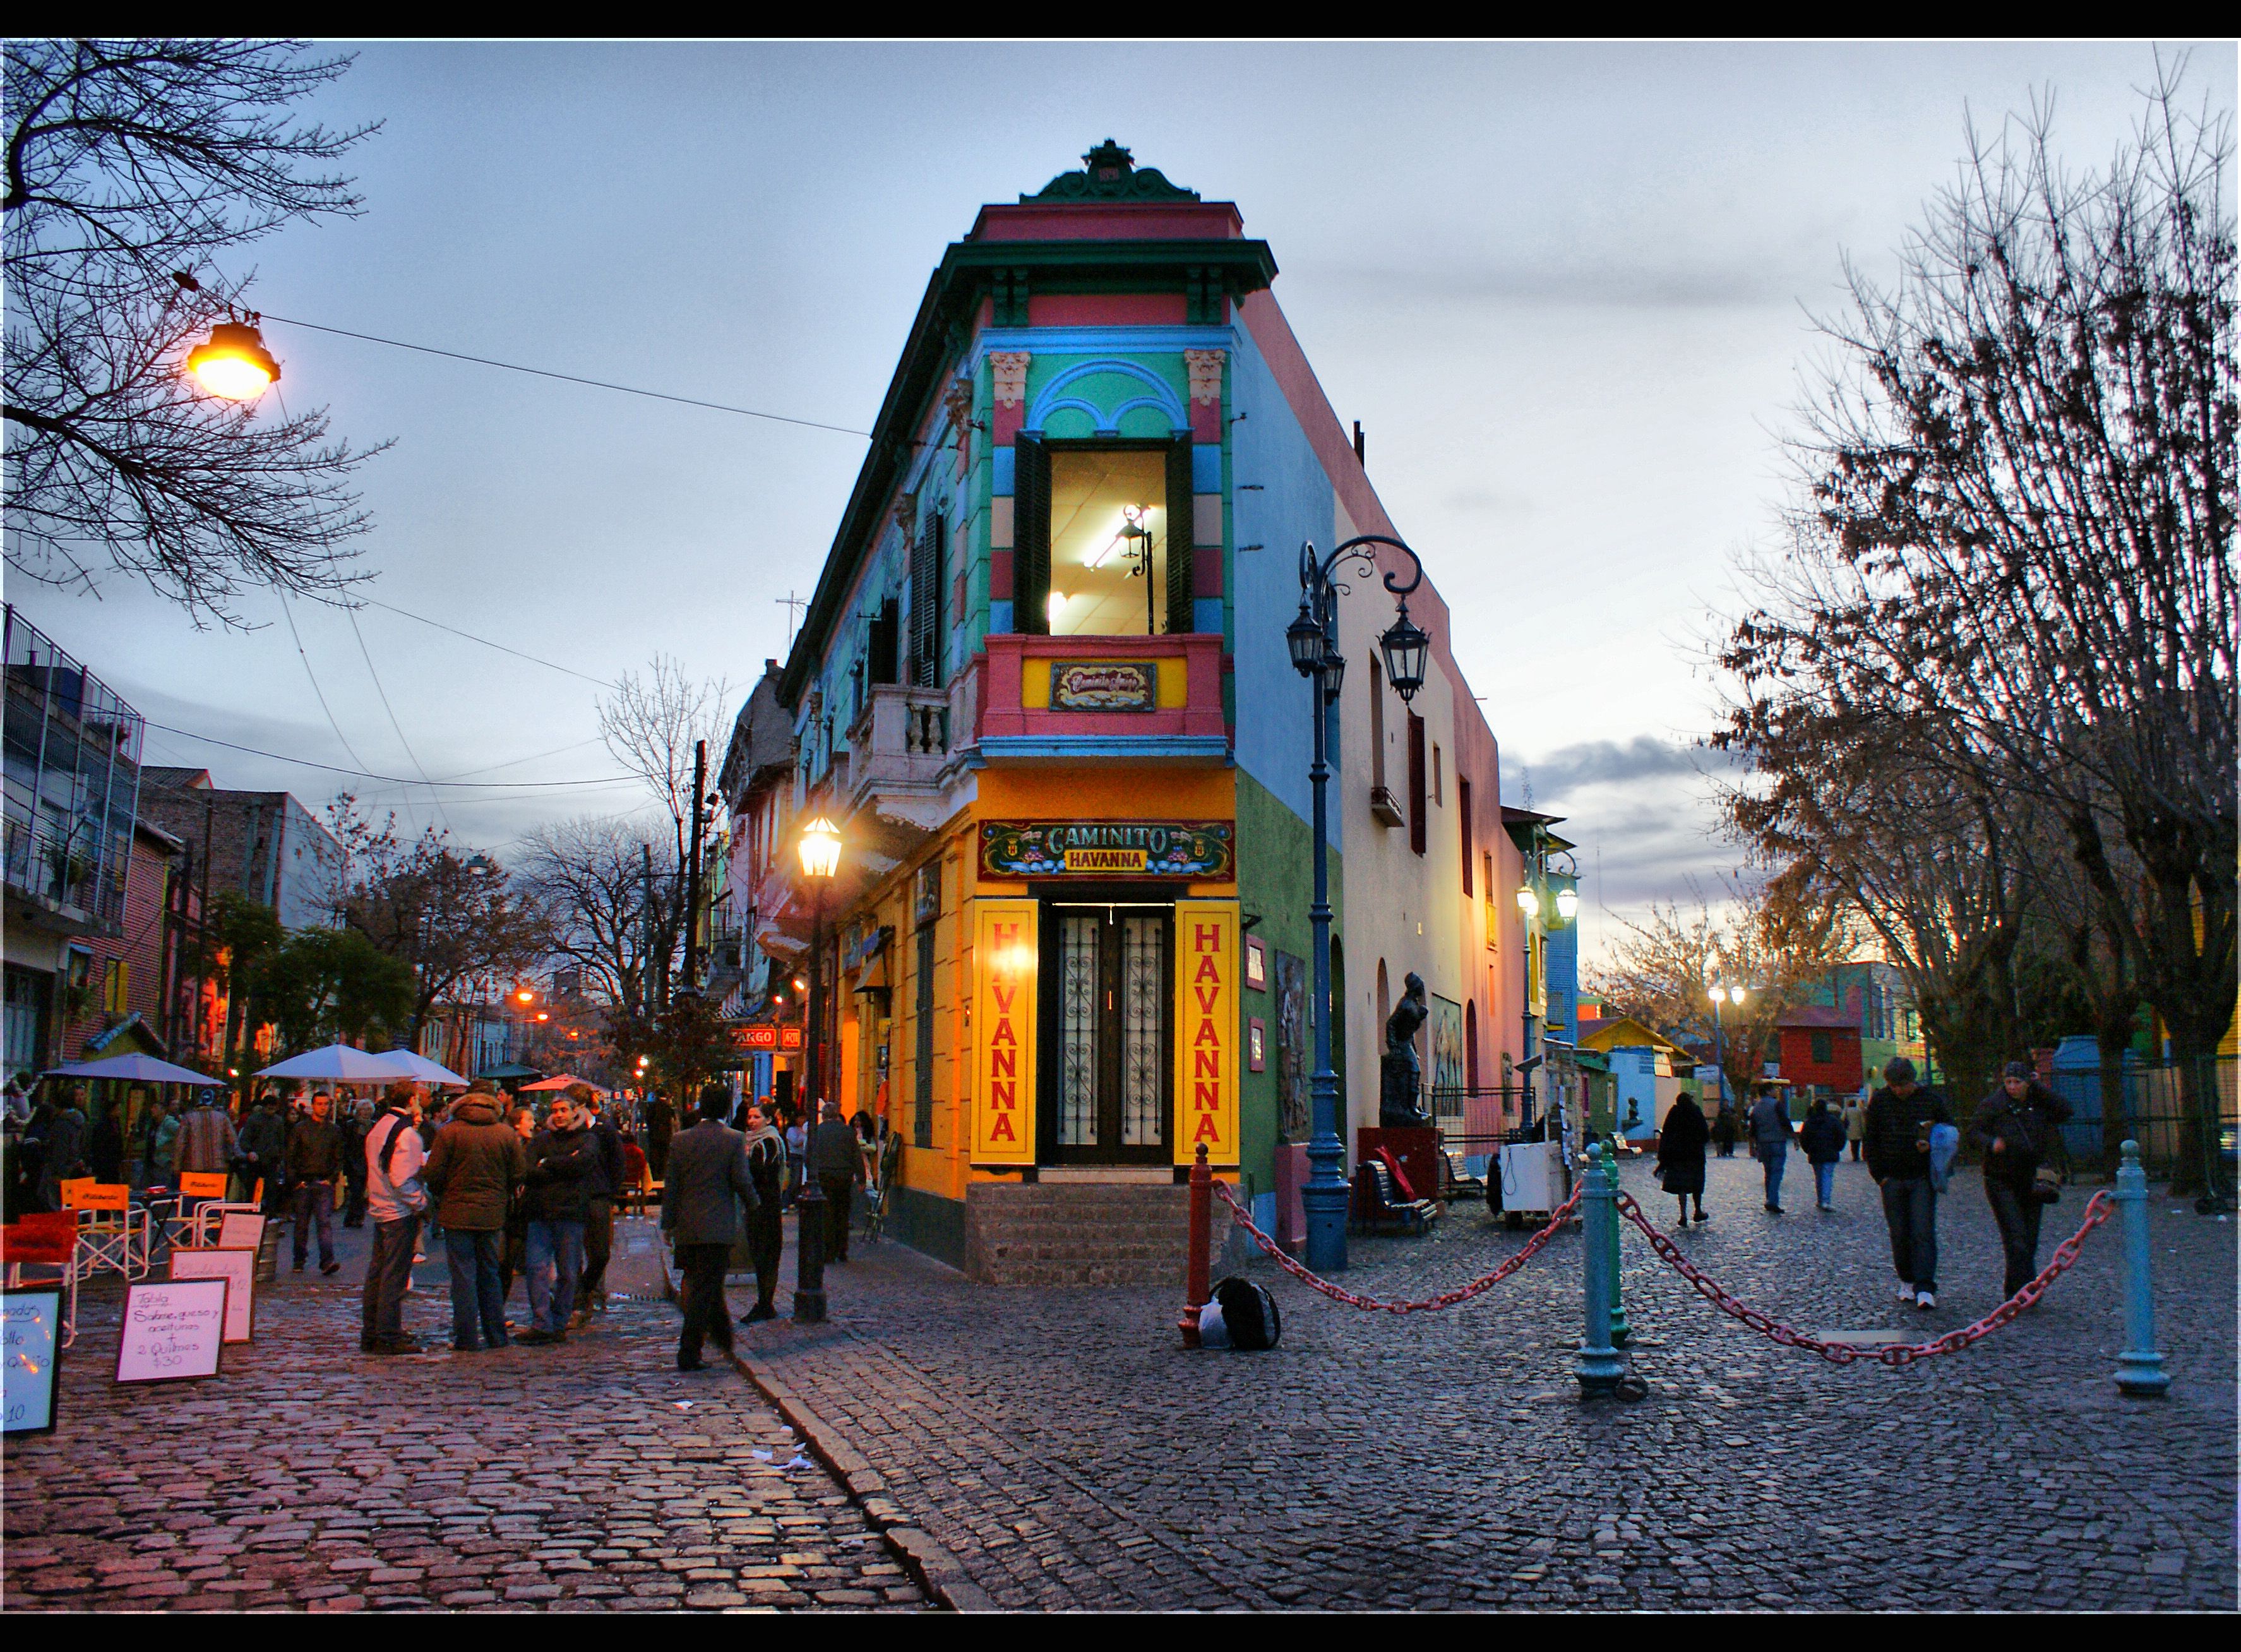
342, 1063
412, 1065
136, 1068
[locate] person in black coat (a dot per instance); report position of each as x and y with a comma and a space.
708, 1181
1822, 1135
1723, 1130
563, 1171
1681, 1153
2017, 1129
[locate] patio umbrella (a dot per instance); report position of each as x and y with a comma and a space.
412, 1064
342, 1062
562, 1082
136, 1068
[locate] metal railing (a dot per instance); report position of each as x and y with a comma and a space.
2151, 1097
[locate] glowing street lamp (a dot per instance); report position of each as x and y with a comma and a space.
1568, 904
233, 362
1528, 902
819, 849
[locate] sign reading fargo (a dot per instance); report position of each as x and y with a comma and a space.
1107, 848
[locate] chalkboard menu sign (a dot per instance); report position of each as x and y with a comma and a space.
173, 1331
31, 1336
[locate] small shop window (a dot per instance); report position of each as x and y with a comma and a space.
1824, 1049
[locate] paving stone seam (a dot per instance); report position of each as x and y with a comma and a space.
934, 1569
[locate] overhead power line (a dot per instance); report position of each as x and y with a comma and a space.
574, 379
533, 659
397, 780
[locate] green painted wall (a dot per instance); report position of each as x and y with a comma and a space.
1275, 878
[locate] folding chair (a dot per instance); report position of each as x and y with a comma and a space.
112, 1237
48, 1241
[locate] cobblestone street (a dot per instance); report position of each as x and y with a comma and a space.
587, 1476
1068, 1454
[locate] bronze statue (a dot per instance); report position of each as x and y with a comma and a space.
1402, 1090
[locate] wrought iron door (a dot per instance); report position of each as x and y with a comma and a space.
1109, 1091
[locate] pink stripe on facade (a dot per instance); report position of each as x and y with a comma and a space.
1107, 310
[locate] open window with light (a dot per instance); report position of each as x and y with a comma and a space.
1103, 533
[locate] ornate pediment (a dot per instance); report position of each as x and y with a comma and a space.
1109, 174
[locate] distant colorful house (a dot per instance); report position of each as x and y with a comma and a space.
1881, 1005
1820, 1048
1647, 1070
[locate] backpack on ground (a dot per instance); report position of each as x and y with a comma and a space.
1248, 1312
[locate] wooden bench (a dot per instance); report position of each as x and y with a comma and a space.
1378, 1208
1459, 1183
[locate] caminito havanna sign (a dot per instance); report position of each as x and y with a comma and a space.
1107, 848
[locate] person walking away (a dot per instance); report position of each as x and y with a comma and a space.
104, 1146
661, 1126
766, 1221
1855, 1121
62, 1133
1822, 1135
599, 1191
797, 1155
836, 1159
396, 1199
357, 1119
1771, 1133
562, 1159
513, 1256
205, 1145
313, 1163
2017, 1128
708, 1180
476, 1172
1681, 1153
1724, 1129
636, 1177
1900, 1118
263, 1146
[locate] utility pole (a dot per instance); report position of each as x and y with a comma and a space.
652, 969
693, 870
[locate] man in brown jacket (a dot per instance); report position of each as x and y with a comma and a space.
476, 1172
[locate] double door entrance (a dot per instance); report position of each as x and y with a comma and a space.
1107, 1081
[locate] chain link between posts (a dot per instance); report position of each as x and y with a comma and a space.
2098, 1209
1478, 1287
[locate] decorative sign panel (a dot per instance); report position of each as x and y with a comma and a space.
766, 1037
1107, 848
172, 1332
239, 1269
1104, 684
1005, 956
1206, 1052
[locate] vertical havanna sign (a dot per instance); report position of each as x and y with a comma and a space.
1004, 955
1207, 1052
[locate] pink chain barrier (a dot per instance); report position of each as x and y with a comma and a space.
1478, 1287
2097, 1210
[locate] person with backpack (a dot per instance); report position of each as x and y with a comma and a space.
1901, 1117
1822, 1135
394, 1154
1771, 1133
1681, 1153
2017, 1128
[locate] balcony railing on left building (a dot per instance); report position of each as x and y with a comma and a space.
72, 785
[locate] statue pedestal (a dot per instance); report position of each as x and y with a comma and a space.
1416, 1147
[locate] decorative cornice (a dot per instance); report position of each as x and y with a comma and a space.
1110, 173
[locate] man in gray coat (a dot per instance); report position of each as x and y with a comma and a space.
708, 1180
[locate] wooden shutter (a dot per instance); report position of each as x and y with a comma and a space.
1182, 533
1463, 809
1416, 801
1031, 526
884, 643
926, 605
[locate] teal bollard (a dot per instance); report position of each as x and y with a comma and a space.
2139, 1366
1620, 1331
1598, 1367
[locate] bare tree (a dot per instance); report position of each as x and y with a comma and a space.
591, 877
129, 163
1775, 939
650, 725
2021, 482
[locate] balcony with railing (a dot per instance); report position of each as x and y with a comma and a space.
899, 752
72, 750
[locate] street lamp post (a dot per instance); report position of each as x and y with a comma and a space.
1722, 995
1313, 640
820, 858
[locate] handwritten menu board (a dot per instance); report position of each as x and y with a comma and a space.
173, 1331
240, 1230
239, 1269
30, 1335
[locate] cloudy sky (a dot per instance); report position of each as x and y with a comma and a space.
1568, 290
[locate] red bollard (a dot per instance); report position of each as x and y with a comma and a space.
1198, 1283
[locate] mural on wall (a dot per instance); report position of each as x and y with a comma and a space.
1295, 1061
1447, 1045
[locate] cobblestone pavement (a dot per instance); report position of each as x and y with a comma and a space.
1067, 1452
593, 1476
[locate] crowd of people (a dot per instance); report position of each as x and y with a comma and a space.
1907, 1134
